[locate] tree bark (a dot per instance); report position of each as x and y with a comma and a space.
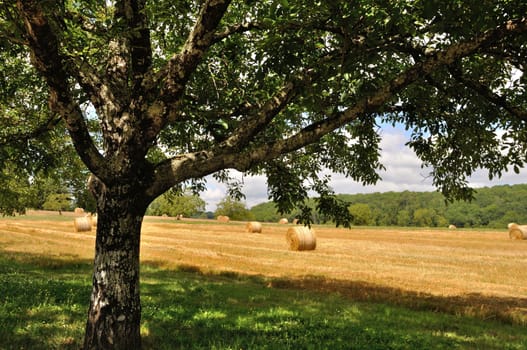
115, 310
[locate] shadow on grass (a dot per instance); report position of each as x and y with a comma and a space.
44, 302
504, 309
227, 310
507, 310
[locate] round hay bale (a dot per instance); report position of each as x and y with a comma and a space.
254, 227
517, 231
301, 238
283, 221
223, 218
82, 224
295, 221
79, 211
452, 227
94, 220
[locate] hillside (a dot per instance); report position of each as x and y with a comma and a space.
492, 207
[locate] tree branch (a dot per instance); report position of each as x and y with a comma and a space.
180, 67
120, 63
23, 137
491, 96
253, 125
133, 12
183, 64
371, 103
47, 60
235, 29
199, 164
97, 87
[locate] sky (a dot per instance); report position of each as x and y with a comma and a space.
403, 172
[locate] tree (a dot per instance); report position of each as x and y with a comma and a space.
361, 213
462, 214
234, 209
281, 88
265, 212
38, 176
423, 217
57, 201
174, 204
63, 173
403, 218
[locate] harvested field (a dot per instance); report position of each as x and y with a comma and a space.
468, 271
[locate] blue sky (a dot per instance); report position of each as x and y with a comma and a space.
403, 172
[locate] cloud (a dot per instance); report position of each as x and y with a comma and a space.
254, 188
214, 193
403, 173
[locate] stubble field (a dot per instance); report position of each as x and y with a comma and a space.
468, 272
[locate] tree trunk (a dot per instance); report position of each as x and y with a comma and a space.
115, 310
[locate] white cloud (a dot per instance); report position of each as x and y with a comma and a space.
254, 188
213, 194
403, 172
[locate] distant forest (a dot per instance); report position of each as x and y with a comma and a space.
492, 207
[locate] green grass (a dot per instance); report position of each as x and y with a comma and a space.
43, 305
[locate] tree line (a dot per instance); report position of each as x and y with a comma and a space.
492, 207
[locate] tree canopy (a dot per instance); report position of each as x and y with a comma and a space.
176, 204
492, 207
282, 88
234, 209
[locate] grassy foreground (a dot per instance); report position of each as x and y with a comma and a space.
43, 304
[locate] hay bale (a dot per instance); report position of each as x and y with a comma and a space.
517, 231
254, 227
296, 221
301, 238
94, 219
283, 221
82, 224
452, 227
79, 211
223, 218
